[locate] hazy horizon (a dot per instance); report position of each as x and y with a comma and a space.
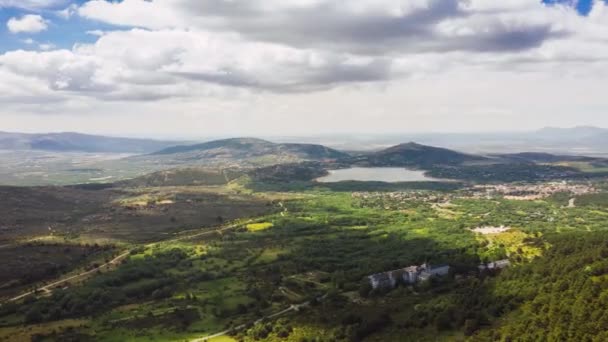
359, 135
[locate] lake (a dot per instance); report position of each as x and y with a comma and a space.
376, 174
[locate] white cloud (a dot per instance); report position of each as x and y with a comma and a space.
46, 46
29, 23
144, 64
138, 13
32, 5
245, 63
67, 12
361, 26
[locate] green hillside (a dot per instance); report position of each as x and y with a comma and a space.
416, 155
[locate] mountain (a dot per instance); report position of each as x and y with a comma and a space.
417, 155
77, 142
182, 177
582, 140
251, 150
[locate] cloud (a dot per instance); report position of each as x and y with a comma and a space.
401, 62
272, 46
60, 70
32, 5
67, 12
362, 26
176, 63
29, 23
46, 46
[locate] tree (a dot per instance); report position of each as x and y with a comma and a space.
365, 289
470, 326
33, 316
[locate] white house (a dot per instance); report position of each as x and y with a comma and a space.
409, 275
500, 264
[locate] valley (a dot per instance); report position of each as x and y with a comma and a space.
303, 171
233, 251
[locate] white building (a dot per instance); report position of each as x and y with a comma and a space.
409, 275
500, 264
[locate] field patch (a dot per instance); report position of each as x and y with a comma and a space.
254, 227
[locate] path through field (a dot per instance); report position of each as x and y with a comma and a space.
48, 288
294, 307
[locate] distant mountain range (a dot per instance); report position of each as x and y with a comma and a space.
252, 152
76, 142
576, 140
248, 150
220, 161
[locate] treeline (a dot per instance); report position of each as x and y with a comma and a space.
137, 279
510, 173
560, 297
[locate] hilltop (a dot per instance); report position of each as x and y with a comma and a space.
416, 155
250, 151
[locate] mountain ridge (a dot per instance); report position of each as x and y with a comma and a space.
247, 148
79, 142
418, 155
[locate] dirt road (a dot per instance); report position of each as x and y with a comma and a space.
48, 288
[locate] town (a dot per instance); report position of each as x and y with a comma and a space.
530, 191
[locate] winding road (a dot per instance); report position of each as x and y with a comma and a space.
293, 307
48, 288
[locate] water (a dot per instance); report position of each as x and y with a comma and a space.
376, 174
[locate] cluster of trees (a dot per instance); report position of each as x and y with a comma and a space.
36, 261
559, 297
553, 290
137, 279
261, 331
510, 172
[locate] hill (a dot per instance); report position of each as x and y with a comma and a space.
182, 177
417, 155
243, 150
77, 142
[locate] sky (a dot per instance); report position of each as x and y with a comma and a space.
196, 68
